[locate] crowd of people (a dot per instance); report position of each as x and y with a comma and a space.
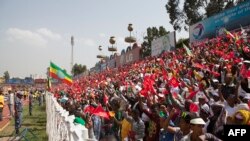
174, 96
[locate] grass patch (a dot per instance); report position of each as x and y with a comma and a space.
36, 123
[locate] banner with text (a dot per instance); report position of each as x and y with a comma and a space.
211, 27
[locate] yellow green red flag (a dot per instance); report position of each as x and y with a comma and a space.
60, 74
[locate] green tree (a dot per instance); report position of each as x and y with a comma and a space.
214, 7
175, 14
6, 76
152, 33
78, 69
192, 11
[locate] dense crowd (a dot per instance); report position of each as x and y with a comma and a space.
173, 96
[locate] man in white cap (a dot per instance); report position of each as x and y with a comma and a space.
197, 125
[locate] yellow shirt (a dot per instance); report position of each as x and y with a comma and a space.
1, 100
25, 93
126, 127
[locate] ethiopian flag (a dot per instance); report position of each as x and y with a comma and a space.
60, 74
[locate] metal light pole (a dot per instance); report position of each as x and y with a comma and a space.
72, 57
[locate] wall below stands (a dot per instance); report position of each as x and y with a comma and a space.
60, 126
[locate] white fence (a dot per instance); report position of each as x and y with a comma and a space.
60, 126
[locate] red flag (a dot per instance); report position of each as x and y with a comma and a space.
165, 92
216, 74
162, 62
170, 65
173, 82
244, 72
191, 95
144, 93
237, 60
246, 49
164, 74
193, 108
89, 109
197, 65
99, 111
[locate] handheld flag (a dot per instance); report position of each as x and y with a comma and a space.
58, 73
234, 37
99, 111
187, 50
229, 33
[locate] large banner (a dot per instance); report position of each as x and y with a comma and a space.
230, 19
164, 43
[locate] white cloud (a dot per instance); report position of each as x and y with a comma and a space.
26, 37
120, 40
49, 34
102, 35
39, 37
86, 42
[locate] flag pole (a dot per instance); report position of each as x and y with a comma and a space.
48, 77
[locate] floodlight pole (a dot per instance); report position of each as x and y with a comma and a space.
72, 57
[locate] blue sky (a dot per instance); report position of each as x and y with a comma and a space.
33, 32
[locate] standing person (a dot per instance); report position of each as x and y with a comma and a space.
25, 94
18, 111
138, 127
30, 102
97, 123
184, 129
11, 102
44, 96
1, 105
154, 123
39, 98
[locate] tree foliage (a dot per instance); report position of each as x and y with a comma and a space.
175, 14
192, 11
212, 8
152, 33
6, 76
78, 69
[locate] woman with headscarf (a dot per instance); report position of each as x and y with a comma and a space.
242, 117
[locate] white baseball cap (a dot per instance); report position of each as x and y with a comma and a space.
198, 121
247, 61
215, 80
215, 93
161, 95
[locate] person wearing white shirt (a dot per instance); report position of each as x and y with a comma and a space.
11, 102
